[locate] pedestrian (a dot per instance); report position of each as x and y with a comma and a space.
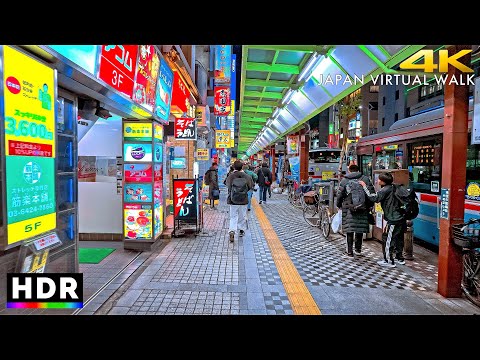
264, 181
392, 238
248, 171
238, 184
355, 208
230, 170
211, 179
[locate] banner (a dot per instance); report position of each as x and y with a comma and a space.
185, 129
118, 64
223, 58
295, 167
202, 155
221, 100
134, 131
222, 139
185, 199
163, 97
146, 77
292, 144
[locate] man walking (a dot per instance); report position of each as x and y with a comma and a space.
211, 179
246, 169
355, 207
392, 239
238, 185
264, 181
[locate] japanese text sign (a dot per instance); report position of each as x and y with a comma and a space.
117, 66
185, 128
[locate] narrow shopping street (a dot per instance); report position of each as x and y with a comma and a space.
209, 275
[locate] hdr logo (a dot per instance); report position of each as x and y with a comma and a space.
44, 291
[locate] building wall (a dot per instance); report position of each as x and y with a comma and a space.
368, 97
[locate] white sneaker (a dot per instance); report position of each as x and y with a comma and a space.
385, 264
357, 252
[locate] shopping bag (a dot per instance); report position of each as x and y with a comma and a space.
337, 222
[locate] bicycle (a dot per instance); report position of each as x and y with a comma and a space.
295, 195
467, 235
316, 211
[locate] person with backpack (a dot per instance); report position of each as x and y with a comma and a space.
399, 205
355, 208
211, 179
264, 181
238, 184
246, 169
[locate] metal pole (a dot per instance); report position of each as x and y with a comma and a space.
368, 123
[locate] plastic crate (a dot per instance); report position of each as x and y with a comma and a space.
467, 235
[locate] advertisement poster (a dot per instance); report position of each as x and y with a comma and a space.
178, 163
87, 168
473, 190
158, 132
223, 59
147, 74
158, 192
137, 152
222, 139
117, 67
295, 167
158, 155
157, 213
185, 198
138, 221
137, 172
134, 131
180, 96
202, 154
163, 97
137, 192
292, 144
158, 172
221, 100
185, 129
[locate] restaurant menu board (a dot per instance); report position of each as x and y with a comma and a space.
185, 199
138, 221
163, 97
137, 152
117, 66
137, 193
146, 78
137, 172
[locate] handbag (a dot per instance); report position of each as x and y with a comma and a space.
370, 218
265, 180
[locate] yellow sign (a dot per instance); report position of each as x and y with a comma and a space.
158, 132
29, 94
428, 65
35, 263
390, 147
134, 131
232, 108
327, 175
222, 138
202, 154
201, 115
31, 227
473, 189
378, 208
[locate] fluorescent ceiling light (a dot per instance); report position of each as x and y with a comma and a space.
314, 67
288, 96
308, 67
275, 113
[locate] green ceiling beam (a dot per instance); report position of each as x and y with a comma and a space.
296, 48
278, 68
260, 102
271, 83
248, 125
253, 119
255, 115
266, 94
256, 109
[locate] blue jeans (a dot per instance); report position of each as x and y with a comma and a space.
263, 193
250, 193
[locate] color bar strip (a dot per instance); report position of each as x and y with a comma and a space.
44, 305
301, 300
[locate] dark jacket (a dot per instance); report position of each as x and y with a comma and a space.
264, 173
212, 175
390, 207
353, 221
238, 174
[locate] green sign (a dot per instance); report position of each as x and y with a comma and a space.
330, 128
30, 187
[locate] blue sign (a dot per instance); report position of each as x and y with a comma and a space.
178, 163
233, 81
223, 61
213, 152
158, 155
137, 193
171, 152
295, 167
84, 56
399, 153
444, 202
163, 97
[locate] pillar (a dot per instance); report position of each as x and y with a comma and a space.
272, 155
454, 159
304, 149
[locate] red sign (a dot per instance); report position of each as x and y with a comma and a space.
185, 128
118, 65
147, 75
158, 173
183, 192
331, 140
138, 172
13, 85
222, 100
29, 149
180, 96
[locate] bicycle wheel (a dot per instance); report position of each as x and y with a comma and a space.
325, 221
297, 201
311, 215
471, 276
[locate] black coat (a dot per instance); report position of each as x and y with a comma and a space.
213, 183
264, 173
353, 221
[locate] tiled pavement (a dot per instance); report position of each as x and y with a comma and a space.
208, 275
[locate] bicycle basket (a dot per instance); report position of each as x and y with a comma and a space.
467, 234
310, 198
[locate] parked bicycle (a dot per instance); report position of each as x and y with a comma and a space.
295, 193
467, 235
316, 211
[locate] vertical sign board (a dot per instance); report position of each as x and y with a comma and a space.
233, 97
223, 56
118, 66
222, 138
476, 114
29, 95
292, 144
163, 96
444, 202
180, 96
221, 100
146, 77
185, 129
185, 199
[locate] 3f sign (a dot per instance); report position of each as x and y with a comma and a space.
429, 65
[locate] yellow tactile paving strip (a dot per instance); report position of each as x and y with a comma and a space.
300, 298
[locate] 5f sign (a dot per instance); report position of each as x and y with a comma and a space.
429, 64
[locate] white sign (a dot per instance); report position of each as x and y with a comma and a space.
476, 114
378, 220
46, 241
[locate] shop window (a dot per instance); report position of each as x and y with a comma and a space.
424, 165
389, 159
473, 172
374, 88
396, 117
366, 165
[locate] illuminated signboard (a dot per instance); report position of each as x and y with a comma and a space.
158, 154
84, 56
137, 152
29, 110
221, 100
202, 154
180, 96
134, 131
158, 132
137, 172
136, 192
185, 198
147, 74
138, 221
178, 163
163, 97
292, 144
223, 58
185, 129
117, 66
222, 138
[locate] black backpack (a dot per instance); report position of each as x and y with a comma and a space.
408, 201
356, 196
239, 191
206, 179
